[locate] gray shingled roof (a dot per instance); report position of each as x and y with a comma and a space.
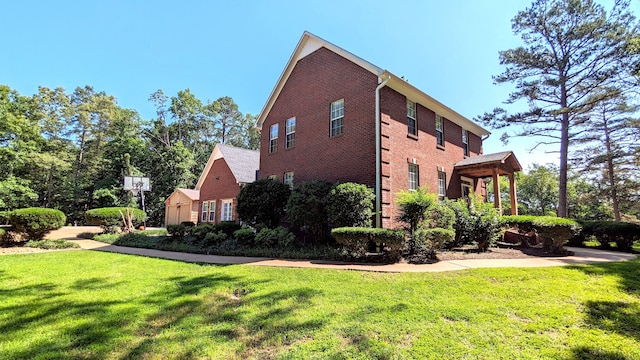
481, 159
243, 162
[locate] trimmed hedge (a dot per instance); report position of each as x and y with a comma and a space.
36, 222
555, 231
177, 230
279, 237
426, 241
4, 217
51, 244
624, 234
358, 239
110, 218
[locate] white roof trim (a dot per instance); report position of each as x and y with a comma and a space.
215, 155
309, 43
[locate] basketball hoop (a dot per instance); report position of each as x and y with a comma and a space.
137, 184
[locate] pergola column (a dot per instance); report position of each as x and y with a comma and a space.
496, 190
512, 193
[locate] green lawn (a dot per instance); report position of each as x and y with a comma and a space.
93, 305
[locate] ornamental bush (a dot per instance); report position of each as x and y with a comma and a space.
263, 202
279, 237
413, 206
357, 240
36, 222
245, 236
4, 217
476, 222
624, 234
307, 208
227, 227
426, 241
110, 218
201, 230
554, 230
177, 230
350, 204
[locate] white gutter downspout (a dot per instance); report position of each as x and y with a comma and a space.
379, 156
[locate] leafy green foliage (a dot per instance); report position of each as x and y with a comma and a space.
358, 240
4, 217
214, 238
350, 204
227, 227
110, 219
476, 222
426, 241
36, 222
51, 244
307, 208
263, 202
413, 206
554, 230
201, 230
624, 234
245, 236
278, 237
177, 230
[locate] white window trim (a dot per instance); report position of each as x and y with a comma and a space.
204, 215
273, 140
416, 179
287, 179
212, 211
288, 144
337, 114
442, 194
463, 185
412, 109
440, 129
227, 204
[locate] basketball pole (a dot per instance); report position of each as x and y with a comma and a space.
141, 187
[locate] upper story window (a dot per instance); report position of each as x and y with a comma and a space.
273, 138
414, 177
412, 126
205, 209
290, 139
337, 116
465, 142
212, 211
288, 179
439, 130
442, 185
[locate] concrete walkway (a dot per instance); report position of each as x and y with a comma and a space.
582, 256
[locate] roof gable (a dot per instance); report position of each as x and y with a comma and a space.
309, 43
193, 195
243, 163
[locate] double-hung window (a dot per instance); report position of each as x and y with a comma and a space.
273, 138
205, 209
227, 210
288, 179
442, 185
465, 142
212, 211
290, 138
337, 117
412, 125
439, 131
414, 177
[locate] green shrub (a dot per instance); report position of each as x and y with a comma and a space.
263, 202
108, 238
476, 222
214, 238
154, 232
245, 236
134, 239
624, 234
350, 204
279, 237
36, 222
4, 217
227, 227
177, 230
426, 241
4, 238
201, 230
110, 219
554, 230
51, 244
413, 206
188, 224
357, 240
307, 208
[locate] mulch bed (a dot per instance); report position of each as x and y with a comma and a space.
502, 251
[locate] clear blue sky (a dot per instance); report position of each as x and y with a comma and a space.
449, 49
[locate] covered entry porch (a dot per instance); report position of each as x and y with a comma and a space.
494, 166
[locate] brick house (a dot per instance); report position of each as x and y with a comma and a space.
226, 171
334, 116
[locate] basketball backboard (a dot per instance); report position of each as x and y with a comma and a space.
136, 183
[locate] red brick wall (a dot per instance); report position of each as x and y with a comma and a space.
423, 150
316, 81
222, 188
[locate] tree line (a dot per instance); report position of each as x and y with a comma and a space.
71, 150
576, 76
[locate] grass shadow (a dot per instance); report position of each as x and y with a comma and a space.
588, 353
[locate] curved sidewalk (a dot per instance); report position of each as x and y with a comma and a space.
582, 256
